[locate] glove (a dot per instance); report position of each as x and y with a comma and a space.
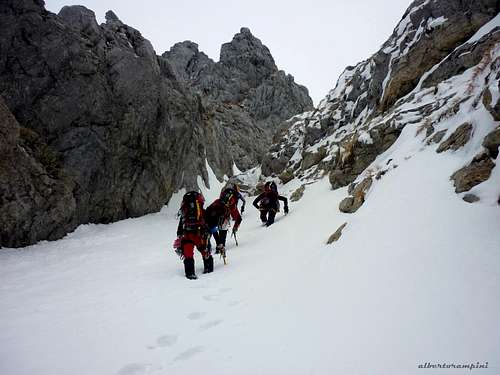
286, 209
178, 247
177, 243
242, 208
208, 251
235, 230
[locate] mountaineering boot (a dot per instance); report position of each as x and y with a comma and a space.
208, 264
205, 265
189, 268
219, 248
270, 219
223, 254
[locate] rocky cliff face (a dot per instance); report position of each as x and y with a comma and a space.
245, 79
438, 70
36, 195
124, 127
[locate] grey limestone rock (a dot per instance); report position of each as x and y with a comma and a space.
36, 200
462, 58
336, 235
298, 193
437, 137
127, 127
82, 19
247, 59
493, 108
186, 60
462, 20
479, 170
352, 203
347, 205
426, 35
470, 198
457, 139
112, 17
359, 155
245, 80
492, 142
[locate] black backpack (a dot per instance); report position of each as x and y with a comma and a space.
273, 187
227, 197
192, 211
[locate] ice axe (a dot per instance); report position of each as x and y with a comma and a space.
235, 239
223, 255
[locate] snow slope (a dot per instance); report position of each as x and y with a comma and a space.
414, 278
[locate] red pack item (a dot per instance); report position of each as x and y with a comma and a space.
192, 240
177, 243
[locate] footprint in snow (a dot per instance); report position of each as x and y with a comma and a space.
212, 297
196, 315
191, 352
135, 369
166, 340
210, 324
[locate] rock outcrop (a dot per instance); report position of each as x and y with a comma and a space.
457, 139
36, 196
129, 127
478, 171
442, 56
246, 80
470, 198
492, 143
298, 193
428, 32
358, 192
336, 235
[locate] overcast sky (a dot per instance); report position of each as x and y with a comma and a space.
312, 40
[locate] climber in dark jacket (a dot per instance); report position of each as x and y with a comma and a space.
267, 203
220, 212
230, 196
217, 219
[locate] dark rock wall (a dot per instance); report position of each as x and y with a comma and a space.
127, 127
36, 197
245, 81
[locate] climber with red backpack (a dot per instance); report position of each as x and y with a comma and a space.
268, 203
192, 231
